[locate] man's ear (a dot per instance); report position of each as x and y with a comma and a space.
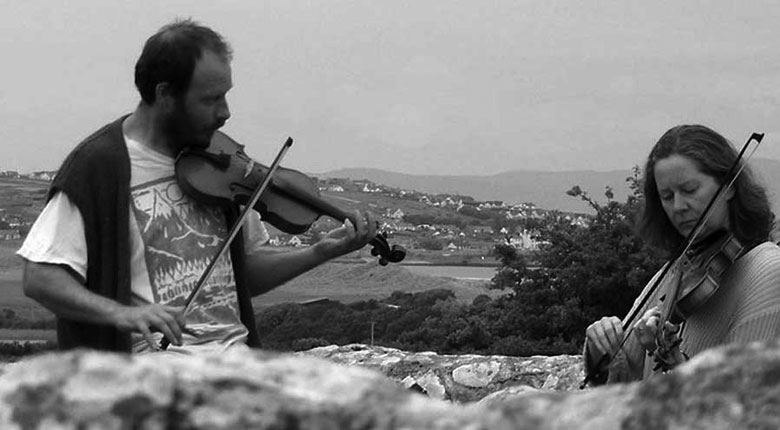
163, 94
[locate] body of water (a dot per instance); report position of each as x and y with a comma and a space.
458, 272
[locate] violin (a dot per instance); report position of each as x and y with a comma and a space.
703, 269
223, 174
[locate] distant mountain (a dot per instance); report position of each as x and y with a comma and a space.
546, 190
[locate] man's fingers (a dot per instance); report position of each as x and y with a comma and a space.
148, 336
170, 328
168, 321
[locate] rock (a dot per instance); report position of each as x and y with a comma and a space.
727, 388
460, 378
476, 375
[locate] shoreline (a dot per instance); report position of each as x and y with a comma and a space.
417, 263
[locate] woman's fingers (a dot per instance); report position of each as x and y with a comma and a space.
606, 334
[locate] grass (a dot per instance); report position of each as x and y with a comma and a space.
349, 283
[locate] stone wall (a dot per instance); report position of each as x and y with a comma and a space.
728, 388
461, 378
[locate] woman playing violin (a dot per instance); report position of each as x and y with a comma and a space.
119, 246
683, 172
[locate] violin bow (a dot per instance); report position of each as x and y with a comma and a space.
233, 232
697, 229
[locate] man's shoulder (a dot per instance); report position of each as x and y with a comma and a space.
103, 140
102, 146
102, 154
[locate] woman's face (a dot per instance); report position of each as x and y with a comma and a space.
685, 192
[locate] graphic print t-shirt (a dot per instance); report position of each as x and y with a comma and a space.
178, 237
172, 239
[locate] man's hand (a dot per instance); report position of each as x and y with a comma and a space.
349, 237
146, 319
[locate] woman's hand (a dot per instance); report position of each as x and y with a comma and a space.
646, 329
604, 337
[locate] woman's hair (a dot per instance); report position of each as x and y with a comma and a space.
750, 214
170, 55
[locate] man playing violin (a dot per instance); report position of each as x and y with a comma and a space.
118, 246
682, 174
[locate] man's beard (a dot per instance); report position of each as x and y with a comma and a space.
181, 132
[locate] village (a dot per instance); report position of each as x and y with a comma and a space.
446, 225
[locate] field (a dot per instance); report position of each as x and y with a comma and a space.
356, 277
358, 282
12, 297
344, 282
22, 198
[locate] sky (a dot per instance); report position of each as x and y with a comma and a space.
414, 86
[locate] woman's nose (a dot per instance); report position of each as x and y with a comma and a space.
680, 204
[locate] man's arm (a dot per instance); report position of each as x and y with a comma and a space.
60, 292
268, 269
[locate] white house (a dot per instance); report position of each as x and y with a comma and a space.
397, 214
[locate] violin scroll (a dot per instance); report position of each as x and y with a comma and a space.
385, 252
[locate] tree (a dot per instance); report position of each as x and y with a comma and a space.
584, 273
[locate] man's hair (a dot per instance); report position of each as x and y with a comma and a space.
170, 55
749, 210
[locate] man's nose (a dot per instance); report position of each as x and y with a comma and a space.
223, 112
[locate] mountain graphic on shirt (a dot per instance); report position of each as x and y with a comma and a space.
180, 238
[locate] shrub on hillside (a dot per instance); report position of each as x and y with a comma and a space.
583, 273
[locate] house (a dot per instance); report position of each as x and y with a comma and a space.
44, 176
482, 229
523, 240
398, 214
10, 234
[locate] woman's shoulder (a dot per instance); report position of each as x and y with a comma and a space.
768, 252
762, 262
758, 283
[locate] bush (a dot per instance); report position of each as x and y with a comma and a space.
13, 350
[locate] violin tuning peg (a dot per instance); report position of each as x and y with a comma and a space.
383, 261
374, 252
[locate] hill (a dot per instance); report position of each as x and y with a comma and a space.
546, 190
